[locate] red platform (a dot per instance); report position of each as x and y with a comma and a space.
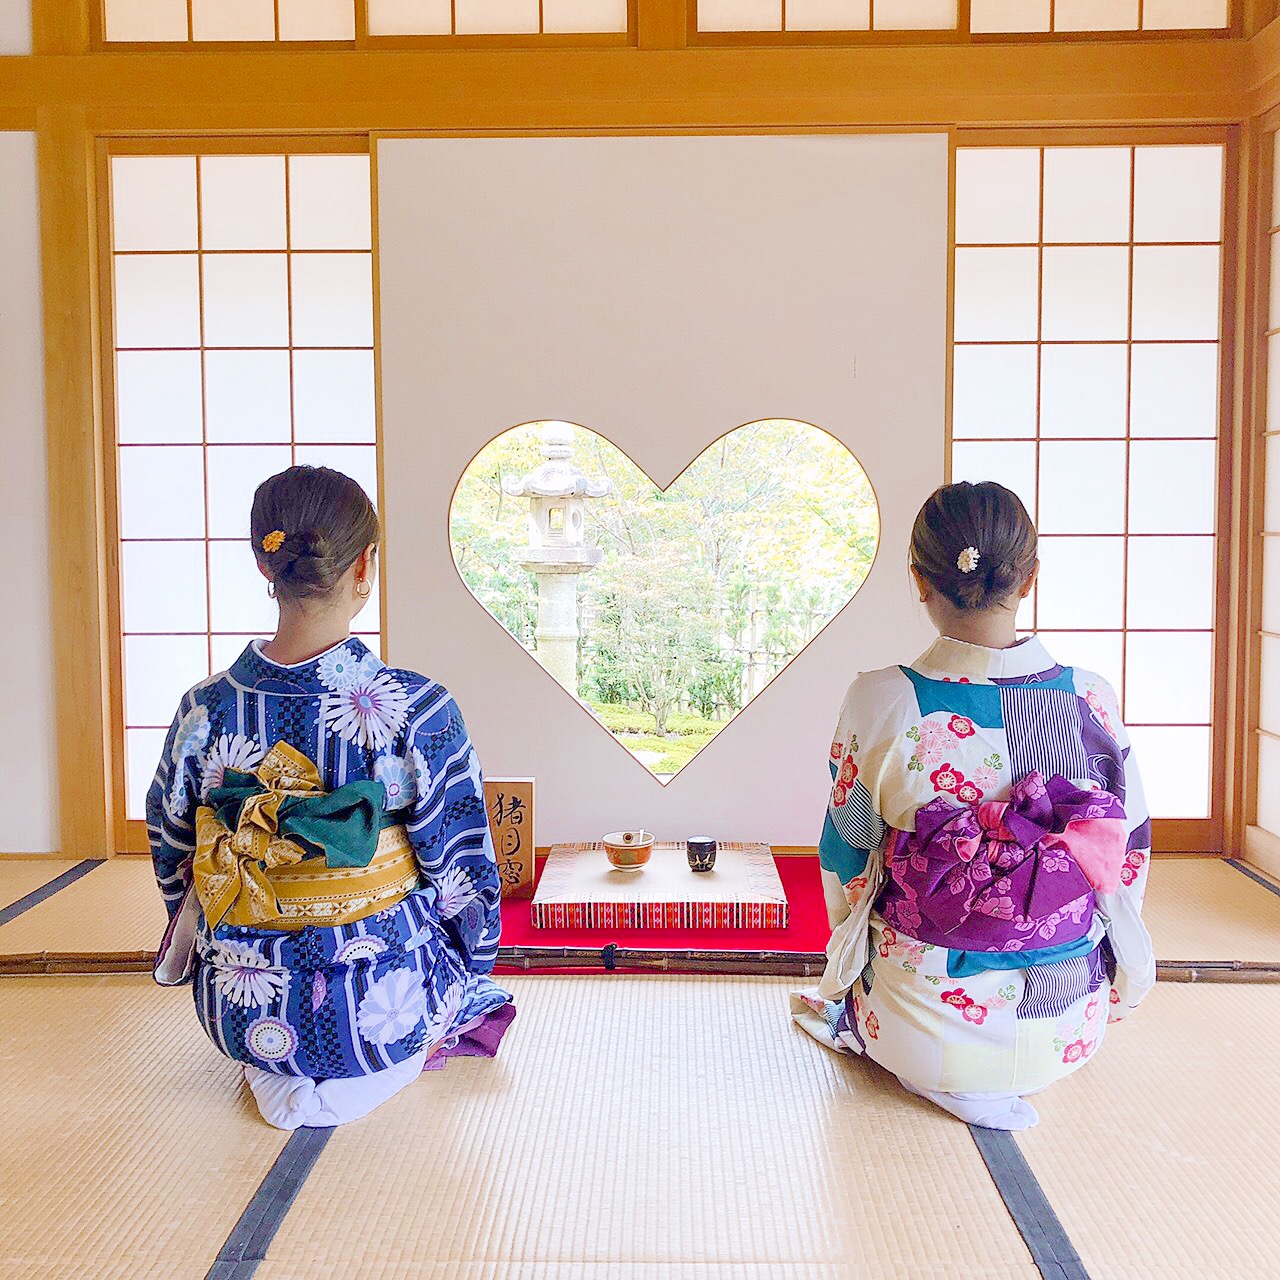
805, 936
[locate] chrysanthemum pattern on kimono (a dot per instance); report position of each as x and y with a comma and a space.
357, 998
989, 834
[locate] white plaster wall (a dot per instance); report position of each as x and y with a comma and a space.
28, 816
15, 26
660, 291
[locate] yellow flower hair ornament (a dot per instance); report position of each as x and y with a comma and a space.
273, 541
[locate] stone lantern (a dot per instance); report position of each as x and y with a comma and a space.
557, 554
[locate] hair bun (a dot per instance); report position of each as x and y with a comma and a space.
295, 547
975, 543
308, 526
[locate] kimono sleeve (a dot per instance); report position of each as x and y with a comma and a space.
449, 831
852, 827
1121, 911
172, 800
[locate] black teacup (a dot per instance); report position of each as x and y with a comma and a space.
701, 851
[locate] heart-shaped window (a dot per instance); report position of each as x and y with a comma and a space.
664, 612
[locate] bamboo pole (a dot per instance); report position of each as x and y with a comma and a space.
532, 960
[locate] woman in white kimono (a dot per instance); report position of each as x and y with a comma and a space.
319, 835
986, 844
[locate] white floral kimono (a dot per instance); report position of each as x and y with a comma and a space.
985, 854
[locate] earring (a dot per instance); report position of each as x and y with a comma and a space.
271, 590
364, 595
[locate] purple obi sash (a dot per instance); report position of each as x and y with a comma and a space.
1008, 876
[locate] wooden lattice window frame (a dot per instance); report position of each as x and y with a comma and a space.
1184, 835
129, 833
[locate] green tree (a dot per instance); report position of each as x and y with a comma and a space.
654, 627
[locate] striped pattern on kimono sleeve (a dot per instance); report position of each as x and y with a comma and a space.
859, 825
449, 829
835, 855
869, 719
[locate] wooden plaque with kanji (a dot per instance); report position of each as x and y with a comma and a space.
509, 804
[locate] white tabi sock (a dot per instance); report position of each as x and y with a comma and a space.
1006, 1111
341, 1101
285, 1102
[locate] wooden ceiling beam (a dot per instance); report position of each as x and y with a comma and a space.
1147, 82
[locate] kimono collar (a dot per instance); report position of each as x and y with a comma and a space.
957, 659
335, 668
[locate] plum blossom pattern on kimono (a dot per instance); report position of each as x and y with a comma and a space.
997, 811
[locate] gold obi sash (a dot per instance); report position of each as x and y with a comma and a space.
257, 875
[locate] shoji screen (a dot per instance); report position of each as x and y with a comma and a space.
242, 323
170, 21
268, 21
1087, 323
980, 17
1061, 16
827, 15
495, 17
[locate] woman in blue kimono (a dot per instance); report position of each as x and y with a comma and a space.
318, 829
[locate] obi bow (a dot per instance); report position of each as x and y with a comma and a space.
984, 874
274, 817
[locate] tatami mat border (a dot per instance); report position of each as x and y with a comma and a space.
1253, 875
1039, 1226
251, 1237
37, 896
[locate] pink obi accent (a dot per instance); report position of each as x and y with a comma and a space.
1007, 876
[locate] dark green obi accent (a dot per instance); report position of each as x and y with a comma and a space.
340, 826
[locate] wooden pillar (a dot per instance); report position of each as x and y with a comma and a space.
1253, 16
664, 24
60, 26
1242, 463
73, 432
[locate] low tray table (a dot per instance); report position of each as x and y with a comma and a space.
580, 890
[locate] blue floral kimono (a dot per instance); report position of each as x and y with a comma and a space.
352, 999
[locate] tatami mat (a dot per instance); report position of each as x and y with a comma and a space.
21, 876
651, 1126
1162, 1158
116, 908
420, 1269
128, 1146
632, 1128
1206, 909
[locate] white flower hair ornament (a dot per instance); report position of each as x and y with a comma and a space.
967, 560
